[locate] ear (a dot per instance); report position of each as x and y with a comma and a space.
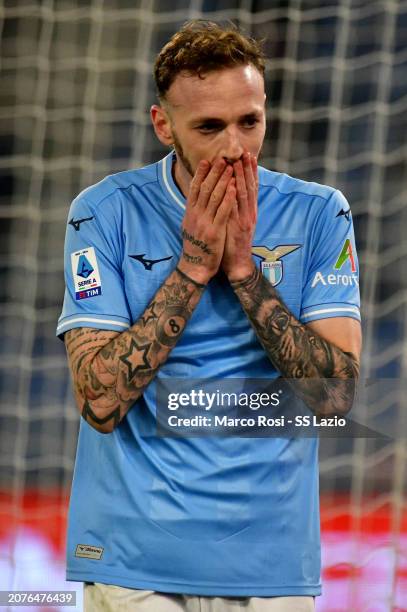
162, 124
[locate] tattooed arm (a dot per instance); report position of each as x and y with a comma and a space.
323, 356
299, 352
111, 371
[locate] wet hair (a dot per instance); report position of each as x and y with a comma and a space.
203, 46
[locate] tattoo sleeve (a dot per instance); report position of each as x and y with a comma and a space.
298, 352
111, 370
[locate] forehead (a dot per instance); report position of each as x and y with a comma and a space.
235, 88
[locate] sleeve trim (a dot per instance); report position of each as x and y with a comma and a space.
91, 320
352, 309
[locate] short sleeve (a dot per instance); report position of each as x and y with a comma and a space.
331, 287
94, 288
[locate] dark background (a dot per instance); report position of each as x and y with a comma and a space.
75, 92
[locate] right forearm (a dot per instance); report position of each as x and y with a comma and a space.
118, 374
111, 370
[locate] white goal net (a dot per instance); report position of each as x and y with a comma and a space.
75, 91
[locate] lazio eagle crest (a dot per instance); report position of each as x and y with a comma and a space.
271, 264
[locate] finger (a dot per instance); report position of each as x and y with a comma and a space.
255, 171
228, 202
219, 191
200, 174
256, 180
242, 196
248, 175
234, 213
209, 183
251, 185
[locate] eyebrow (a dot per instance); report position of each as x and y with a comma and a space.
219, 121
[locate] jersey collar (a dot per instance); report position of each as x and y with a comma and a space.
168, 183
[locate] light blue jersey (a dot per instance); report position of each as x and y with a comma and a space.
208, 516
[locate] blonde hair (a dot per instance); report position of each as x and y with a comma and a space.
203, 46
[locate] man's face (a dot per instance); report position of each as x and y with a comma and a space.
221, 115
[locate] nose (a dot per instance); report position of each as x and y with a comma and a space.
232, 149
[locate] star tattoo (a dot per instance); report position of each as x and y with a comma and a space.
149, 314
136, 359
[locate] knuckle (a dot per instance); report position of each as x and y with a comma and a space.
205, 189
214, 197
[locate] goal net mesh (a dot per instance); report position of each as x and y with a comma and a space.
75, 92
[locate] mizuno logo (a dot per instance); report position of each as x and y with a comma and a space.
89, 552
148, 263
77, 224
344, 213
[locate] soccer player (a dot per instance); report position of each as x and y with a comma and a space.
203, 265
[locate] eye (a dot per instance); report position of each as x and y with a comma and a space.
207, 128
250, 122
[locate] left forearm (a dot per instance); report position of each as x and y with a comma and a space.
296, 351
